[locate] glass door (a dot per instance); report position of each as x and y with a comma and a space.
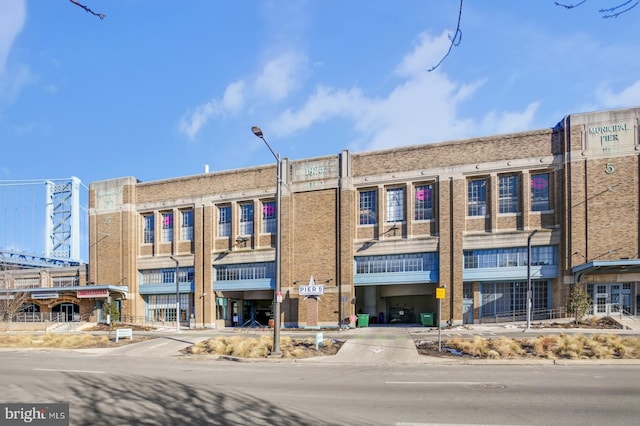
600, 300
610, 299
614, 299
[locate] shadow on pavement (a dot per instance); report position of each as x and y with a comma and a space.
120, 400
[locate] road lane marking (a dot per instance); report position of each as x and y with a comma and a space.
71, 371
446, 383
447, 424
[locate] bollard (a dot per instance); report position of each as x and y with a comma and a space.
319, 340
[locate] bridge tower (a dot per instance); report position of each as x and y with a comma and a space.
63, 219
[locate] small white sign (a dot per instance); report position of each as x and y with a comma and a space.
309, 290
44, 295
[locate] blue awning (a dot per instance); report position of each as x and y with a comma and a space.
605, 267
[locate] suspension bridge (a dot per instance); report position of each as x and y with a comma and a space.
43, 222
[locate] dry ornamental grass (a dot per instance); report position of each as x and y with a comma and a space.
251, 347
561, 346
51, 340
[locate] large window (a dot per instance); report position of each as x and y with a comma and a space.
148, 228
423, 202
167, 227
368, 207
221, 308
509, 257
510, 298
33, 282
269, 221
69, 281
162, 307
540, 192
224, 221
186, 229
244, 271
508, 194
395, 204
246, 219
166, 276
413, 262
477, 197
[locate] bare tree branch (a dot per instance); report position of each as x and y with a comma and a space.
613, 9
605, 12
11, 302
99, 15
569, 6
455, 40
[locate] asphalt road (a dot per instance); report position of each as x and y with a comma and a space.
111, 388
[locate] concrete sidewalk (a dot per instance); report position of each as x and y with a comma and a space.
375, 345
368, 345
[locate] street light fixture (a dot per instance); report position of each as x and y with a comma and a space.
529, 293
275, 352
177, 295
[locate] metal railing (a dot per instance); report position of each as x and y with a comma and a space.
627, 314
40, 317
57, 317
517, 316
130, 319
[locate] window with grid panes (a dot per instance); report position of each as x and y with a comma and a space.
423, 202
505, 298
413, 262
167, 227
509, 257
508, 194
540, 192
395, 204
269, 216
246, 219
368, 207
244, 271
477, 197
148, 228
224, 221
186, 226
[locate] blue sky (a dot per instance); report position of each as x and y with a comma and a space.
161, 88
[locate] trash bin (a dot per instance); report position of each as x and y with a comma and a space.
363, 320
426, 318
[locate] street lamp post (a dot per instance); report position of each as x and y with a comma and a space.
177, 295
529, 293
276, 292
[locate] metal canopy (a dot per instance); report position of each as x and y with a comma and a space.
605, 267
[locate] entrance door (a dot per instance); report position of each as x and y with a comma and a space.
467, 311
68, 312
607, 299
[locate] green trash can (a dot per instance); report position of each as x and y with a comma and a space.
426, 318
363, 320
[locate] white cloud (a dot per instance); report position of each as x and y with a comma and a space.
629, 96
426, 52
323, 104
233, 98
423, 107
279, 76
231, 102
510, 121
13, 14
276, 81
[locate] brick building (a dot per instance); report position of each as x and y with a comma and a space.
377, 232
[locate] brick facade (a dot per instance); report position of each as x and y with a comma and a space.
591, 161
